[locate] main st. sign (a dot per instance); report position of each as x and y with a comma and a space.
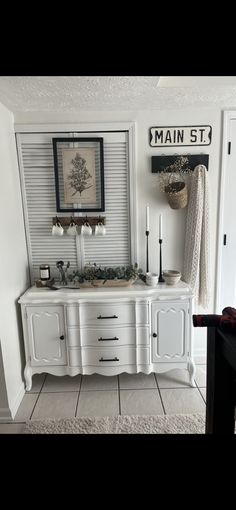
171, 136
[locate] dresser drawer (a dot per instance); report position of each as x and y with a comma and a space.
107, 314
113, 356
114, 336
110, 357
107, 336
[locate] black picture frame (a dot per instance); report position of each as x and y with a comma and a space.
79, 174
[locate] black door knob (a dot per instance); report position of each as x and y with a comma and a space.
154, 335
62, 337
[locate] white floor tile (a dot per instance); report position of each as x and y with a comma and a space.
137, 381
37, 383
140, 402
98, 403
182, 401
200, 376
203, 392
176, 378
61, 383
26, 407
55, 405
99, 382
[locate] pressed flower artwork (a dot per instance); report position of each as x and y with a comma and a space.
79, 176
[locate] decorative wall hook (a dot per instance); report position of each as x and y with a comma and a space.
65, 221
168, 163
72, 229
86, 222
100, 229
57, 229
72, 222
56, 222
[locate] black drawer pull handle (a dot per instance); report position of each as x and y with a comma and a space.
107, 339
108, 359
110, 317
62, 337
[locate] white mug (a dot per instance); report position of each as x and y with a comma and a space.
72, 230
86, 230
57, 230
100, 230
151, 279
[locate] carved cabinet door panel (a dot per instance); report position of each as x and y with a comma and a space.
46, 335
170, 325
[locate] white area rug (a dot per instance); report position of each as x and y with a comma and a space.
170, 424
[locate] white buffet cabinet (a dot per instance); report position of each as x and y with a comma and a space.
108, 330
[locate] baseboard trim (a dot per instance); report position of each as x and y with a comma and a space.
8, 413
5, 414
19, 397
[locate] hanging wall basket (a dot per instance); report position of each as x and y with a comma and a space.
177, 194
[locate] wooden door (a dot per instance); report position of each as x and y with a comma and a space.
226, 294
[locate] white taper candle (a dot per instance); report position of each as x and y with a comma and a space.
147, 218
160, 226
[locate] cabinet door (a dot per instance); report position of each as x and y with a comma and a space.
46, 335
170, 327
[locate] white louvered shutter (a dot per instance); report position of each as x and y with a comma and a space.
39, 197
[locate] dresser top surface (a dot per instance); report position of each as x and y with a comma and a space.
68, 295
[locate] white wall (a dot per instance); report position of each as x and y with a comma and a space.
4, 408
14, 267
147, 187
174, 220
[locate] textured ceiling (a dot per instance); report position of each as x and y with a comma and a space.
82, 93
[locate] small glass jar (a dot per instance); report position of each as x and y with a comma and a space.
44, 272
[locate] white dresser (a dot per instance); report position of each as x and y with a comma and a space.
108, 330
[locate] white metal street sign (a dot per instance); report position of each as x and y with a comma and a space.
173, 136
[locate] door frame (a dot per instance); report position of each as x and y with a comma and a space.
227, 117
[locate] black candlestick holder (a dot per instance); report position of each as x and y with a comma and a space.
160, 279
147, 256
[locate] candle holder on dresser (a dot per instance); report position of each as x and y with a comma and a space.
147, 234
147, 254
160, 279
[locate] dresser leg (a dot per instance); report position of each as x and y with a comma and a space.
192, 371
28, 378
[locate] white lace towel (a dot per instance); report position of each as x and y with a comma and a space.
196, 251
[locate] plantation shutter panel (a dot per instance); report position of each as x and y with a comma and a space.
113, 249
39, 199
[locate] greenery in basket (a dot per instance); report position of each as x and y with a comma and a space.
93, 272
173, 177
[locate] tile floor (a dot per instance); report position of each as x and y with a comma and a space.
96, 395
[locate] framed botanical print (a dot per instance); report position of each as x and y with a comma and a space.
79, 174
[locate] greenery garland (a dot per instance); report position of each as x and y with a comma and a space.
93, 272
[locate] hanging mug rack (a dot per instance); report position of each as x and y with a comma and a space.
65, 221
